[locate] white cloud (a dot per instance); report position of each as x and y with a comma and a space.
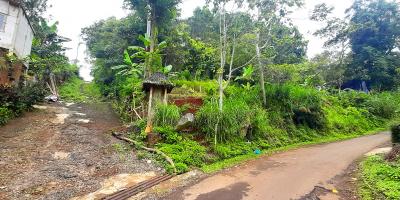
73, 15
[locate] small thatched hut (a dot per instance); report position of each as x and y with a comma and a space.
157, 87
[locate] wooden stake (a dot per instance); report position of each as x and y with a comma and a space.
149, 127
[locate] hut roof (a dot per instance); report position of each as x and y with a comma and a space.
157, 80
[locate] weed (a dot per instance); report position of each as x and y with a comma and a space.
185, 153
166, 115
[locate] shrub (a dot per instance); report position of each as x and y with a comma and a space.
233, 121
166, 115
15, 100
169, 135
185, 153
5, 115
349, 120
383, 105
352, 98
301, 104
396, 134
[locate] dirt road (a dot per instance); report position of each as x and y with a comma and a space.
61, 151
283, 176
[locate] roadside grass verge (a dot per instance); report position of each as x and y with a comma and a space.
220, 165
380, 180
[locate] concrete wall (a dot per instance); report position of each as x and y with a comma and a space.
18, 34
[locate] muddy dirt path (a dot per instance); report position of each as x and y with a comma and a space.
284, 176
62, 151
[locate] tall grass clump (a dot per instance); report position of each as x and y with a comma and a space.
384, 105
300, 104
166, 115
231, 123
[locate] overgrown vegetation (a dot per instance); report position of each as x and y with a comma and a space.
15, 100
260, 92
380, 179
77, 90
294, 115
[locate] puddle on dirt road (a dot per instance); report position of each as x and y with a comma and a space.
117, 183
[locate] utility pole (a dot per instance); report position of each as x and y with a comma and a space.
77, 53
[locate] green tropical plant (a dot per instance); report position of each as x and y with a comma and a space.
138, 59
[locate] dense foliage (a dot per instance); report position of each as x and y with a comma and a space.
268, 94
13, 100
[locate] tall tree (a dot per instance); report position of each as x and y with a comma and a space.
268, 13
375, 32
336, 32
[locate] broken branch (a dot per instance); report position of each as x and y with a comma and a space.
138, 145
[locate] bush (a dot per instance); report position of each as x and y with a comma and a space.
207, 87
167, 115
383, 105
233, 122
5, 115
15, 100
169, 135
349, 120
185, 153
396, 134
301, 104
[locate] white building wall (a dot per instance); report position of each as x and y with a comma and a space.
17, 35
23, 36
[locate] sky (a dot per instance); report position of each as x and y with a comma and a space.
73, 15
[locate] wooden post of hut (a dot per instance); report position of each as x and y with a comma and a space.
157, 87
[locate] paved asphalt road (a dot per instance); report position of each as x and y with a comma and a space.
282, 176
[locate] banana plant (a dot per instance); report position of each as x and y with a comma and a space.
247, 74
142, 60
129, 68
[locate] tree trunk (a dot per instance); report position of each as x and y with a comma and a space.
223, 41
261, 69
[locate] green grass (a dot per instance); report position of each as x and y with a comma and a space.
227, 163
380, 180
77, 90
